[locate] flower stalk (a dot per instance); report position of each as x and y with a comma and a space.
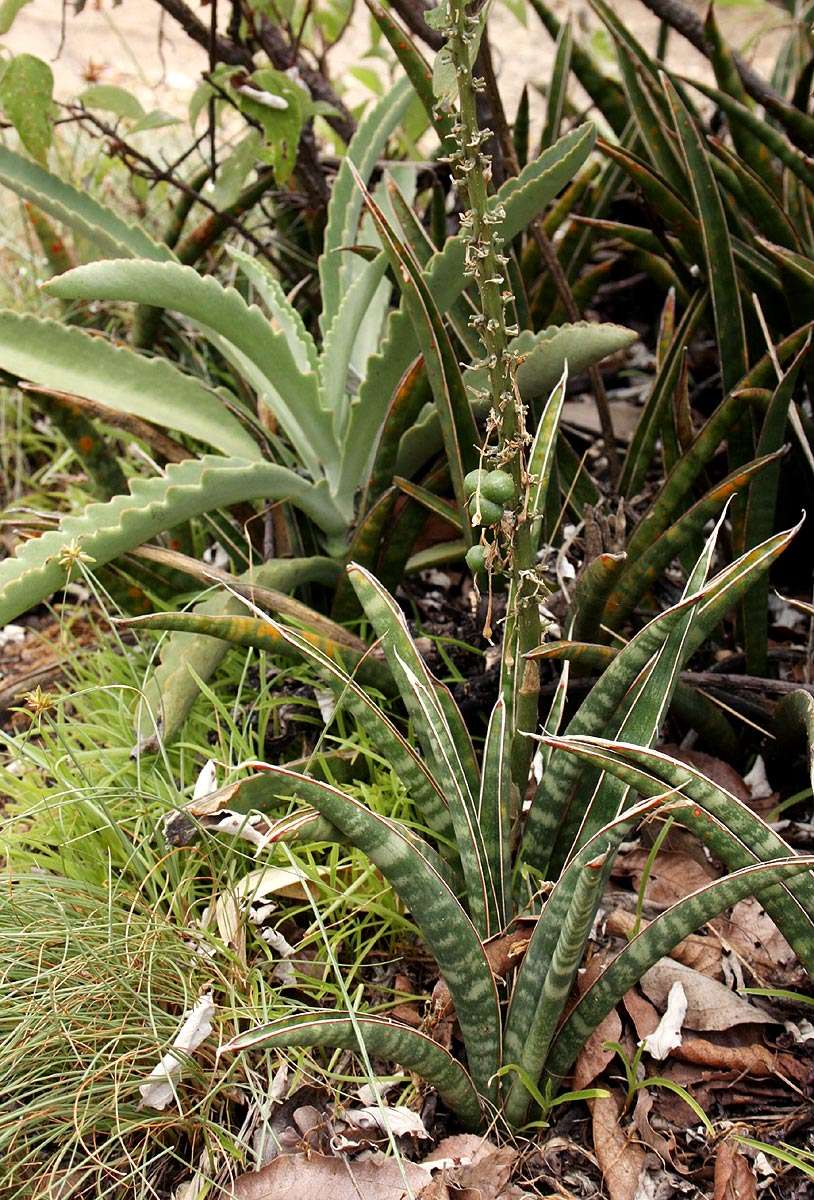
486, 263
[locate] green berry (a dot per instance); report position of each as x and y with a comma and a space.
498, 486
490, 513
474, 480
476, 559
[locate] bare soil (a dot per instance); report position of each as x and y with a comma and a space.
136, 46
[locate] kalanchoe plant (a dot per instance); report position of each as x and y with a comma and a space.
497, 840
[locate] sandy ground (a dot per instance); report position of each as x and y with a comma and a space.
138, 47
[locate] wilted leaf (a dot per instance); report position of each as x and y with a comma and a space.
159, 1089
734, 1178
667, 1034
308, 1176
26, 94
710, 1005
620, 1158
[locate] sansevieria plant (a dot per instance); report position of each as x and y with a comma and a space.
499, 844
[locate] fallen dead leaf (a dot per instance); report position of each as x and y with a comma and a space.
710, 1005
752, 934
621, 1159
734, 1177
667, 1034
715, 768
160, 1087
317, 1177
697, 951
672, 877
739, 1049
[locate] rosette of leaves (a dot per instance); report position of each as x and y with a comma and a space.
481, 854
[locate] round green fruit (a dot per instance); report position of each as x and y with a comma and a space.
474, 480
476, 559
490, 513
498, 486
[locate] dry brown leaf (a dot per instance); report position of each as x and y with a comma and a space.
621, 1159
663, 1146
701, 953
715, 768
317, 1177
593, 1057
672, 876
739, 1050
710, 1005
734, 1177
757, 941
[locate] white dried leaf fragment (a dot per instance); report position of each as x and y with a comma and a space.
159, 1089
667, 1034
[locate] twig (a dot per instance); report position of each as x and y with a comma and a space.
744, 683
159, 174
690, 26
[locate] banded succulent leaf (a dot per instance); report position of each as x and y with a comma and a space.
444, 926
383, 1038
494, 808
420, 784
669, 499
723, 591
748, 147
451, 400
642, 445
559, 979
228, 811
733, 833
542, 456
605, 92
639, 716
794, 722
720, 263
640, 573
558, 85
186, 490
66, 359
171, 691
528, 991
760, 512
264, 634
522, 198
594, 584
763, 130
416, 67
444, 737
645, 950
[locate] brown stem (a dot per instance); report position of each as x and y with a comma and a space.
687, 22
412, 13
